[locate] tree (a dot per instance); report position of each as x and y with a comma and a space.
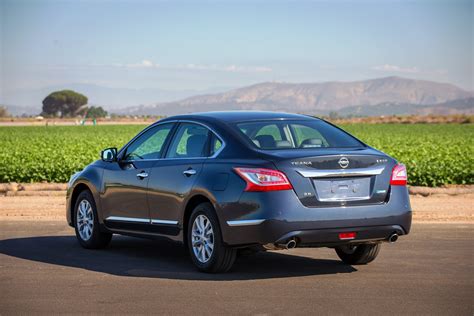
333, 115
3, 111
96, 112
64, 103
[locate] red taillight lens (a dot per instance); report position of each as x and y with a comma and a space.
259, 179
399, 175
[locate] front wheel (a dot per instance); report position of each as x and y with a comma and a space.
86, 223
358, 254
205, 244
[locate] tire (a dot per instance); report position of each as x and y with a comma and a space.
220, 258
358, 254
89, 237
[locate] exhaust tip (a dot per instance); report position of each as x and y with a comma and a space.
290, 244
393, 238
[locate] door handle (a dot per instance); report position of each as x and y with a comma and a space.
142, 175
189, 172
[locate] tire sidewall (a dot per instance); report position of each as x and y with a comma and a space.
363, 254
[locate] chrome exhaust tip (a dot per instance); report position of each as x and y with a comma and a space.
393, 238
290, 244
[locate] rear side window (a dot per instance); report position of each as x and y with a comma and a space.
190, 141
216, 144
312, 134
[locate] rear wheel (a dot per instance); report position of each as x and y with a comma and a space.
86, 223
358, 254
205, 244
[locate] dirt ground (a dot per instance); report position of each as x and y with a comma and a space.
51, 205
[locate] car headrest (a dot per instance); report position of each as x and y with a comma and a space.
311, 143
195, 145
266, 141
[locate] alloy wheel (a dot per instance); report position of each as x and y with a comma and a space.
85, 220
202, 236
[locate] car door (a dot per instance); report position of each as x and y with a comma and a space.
174, 176
124, 196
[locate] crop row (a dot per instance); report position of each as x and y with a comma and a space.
435, 154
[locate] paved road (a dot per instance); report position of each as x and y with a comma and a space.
42, 269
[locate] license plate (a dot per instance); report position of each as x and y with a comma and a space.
343, 190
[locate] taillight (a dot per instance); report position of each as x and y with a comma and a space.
399, 175
259, 179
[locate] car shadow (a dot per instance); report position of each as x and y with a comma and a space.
133, 257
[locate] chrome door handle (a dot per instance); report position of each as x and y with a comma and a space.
189, 172
142, 175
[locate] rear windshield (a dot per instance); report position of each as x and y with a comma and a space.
297, 135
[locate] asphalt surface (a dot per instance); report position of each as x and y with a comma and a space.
44, 270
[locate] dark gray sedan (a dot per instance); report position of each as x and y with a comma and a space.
224, 182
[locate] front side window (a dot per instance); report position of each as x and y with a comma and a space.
150, 144
273, 135
190, 141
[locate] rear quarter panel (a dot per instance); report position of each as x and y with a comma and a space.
222, 186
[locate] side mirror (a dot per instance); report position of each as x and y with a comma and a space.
109, 154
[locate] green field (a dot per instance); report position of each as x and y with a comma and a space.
435, 154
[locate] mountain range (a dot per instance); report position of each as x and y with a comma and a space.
381, 96
389, 95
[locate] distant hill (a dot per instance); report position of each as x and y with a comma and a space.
390, 94
382, 96
458, 106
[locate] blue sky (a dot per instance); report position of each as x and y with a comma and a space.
204, 45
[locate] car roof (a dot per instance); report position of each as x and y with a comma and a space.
234, 116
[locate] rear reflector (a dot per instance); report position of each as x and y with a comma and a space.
346, 236
259, 179
399, 175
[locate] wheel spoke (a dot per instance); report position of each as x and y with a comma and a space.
83, 207
208, 251
200, 224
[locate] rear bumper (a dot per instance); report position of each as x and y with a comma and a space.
330, 237
276, 217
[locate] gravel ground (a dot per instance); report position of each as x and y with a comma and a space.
51, 205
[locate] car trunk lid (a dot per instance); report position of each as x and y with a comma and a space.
336, 177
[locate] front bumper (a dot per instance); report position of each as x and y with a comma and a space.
276, 217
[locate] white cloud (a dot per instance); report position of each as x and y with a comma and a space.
197, 67
147, 63
225, 68
394, 68
143, 64
235, 68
